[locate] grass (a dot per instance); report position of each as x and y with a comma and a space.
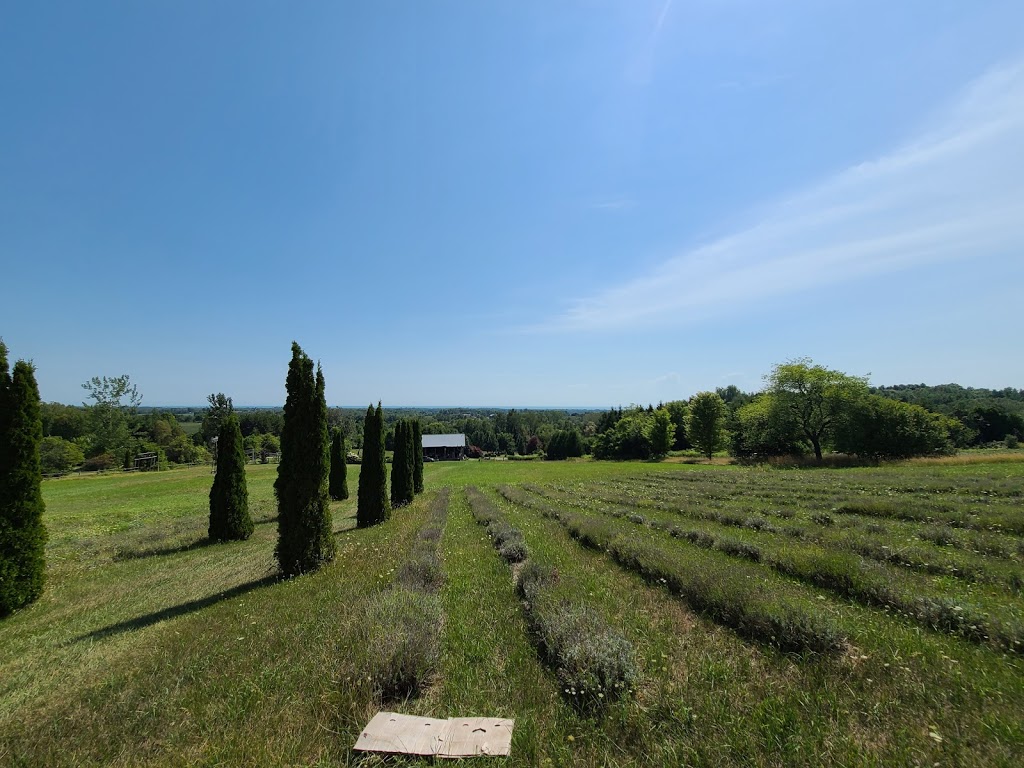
152, 647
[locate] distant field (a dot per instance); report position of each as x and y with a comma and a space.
778, 617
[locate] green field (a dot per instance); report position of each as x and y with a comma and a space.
776, 617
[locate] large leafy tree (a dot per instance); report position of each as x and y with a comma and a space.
22, 533
662, 432
115, 402
706, 421
220, 408
372, 505
304, 540
881, 428
337, 485
815, 398
229, 497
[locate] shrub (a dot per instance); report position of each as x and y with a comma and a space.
738, 548
400, 630
594, 663
534, 578
513, 550
422, 571
1012, 442
100, 463
939, 536
57, 455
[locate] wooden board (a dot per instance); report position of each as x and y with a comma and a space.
455, 737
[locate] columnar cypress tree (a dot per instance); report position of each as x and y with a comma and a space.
229, 496
337, 485
373, 506
402, 465
398, 490
417, 456
304, 539
22, 533
410, 459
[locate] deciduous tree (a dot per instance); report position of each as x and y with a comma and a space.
705, 419
662, 433
814, 397
115, 402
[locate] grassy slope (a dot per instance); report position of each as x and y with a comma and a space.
150, 647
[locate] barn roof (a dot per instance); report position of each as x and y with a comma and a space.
444, 441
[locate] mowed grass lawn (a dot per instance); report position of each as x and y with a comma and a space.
150, 646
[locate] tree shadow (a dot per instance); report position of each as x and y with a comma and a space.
138, 554
174, 611
123, 555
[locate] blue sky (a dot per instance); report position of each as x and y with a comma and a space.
510, 203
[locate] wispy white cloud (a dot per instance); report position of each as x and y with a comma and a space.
614, 205
641, 68
955, 192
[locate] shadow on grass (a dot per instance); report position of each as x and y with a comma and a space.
174, 611
138, 554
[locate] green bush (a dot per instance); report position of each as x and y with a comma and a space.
57, 455
594, 663
399, 627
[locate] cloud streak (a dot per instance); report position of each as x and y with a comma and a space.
955, 192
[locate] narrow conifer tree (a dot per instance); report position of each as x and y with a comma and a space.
417, 455
338, 484
229, 497
398, 491
373, 506
410, 459
304, 539
22, 533
402, 465
365, 494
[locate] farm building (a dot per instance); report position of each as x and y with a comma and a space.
444, 447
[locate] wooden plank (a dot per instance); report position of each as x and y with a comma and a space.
458, 737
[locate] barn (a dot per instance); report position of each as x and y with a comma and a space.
444, 447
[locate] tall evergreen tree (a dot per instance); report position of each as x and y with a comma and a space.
338, 483
402, 488
304, 540
399, 493
22, 533
410, 440
373, 506
417, 456
229, 497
